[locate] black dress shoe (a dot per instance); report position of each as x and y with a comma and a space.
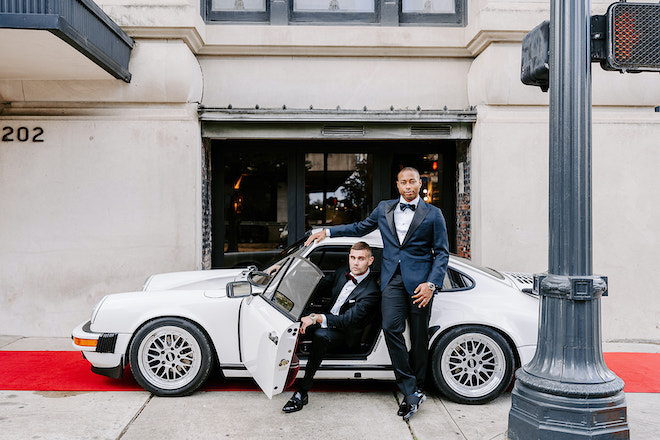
296, 402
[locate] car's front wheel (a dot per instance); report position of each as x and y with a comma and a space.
170, 357
472, 364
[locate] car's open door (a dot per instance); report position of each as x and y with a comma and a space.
268, 323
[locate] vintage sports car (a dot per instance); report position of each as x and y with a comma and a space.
245, 322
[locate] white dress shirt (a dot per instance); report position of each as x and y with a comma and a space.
403, 219
343, 295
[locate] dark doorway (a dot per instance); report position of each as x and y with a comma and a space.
266, 194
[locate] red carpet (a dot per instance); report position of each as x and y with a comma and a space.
68, 371
640, 371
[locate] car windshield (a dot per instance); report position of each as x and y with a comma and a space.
295, 249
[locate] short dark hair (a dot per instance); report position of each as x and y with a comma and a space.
414, 170
362, 246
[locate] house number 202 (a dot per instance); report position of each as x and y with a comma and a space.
22, 134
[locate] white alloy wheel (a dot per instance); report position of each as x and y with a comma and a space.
472, 364
170, 356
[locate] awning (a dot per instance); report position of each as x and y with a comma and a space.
312, 123
61, 40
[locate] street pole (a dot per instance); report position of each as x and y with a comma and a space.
567, 391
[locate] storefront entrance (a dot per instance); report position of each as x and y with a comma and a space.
267, 194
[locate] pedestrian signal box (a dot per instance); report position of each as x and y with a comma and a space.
626, 39
633, 37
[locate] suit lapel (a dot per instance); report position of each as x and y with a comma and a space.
389, 215
421, 211
336, 290
354, 294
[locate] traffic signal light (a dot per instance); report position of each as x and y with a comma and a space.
633, 37
626, 38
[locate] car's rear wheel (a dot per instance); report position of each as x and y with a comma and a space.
472, 364
170, 357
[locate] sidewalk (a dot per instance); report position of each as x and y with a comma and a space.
251, 415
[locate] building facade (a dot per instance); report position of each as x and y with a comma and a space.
242, 124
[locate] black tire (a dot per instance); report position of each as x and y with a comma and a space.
170, 357
472, 364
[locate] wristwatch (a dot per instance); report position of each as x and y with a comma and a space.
431, 286
312, 316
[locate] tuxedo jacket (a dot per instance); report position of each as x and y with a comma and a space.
360, 307
424, 253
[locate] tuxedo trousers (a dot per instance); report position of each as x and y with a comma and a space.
323, 340
397, 307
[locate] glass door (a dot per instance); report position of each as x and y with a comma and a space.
255, 207
338, 188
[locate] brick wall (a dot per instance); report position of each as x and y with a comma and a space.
463, 188
206, 206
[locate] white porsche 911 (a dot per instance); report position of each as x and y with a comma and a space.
245, 322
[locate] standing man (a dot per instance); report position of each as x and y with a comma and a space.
355, 301
415, 257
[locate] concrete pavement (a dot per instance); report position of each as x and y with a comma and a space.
137, 415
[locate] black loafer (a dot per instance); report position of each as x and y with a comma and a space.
296, 402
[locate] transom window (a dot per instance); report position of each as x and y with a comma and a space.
283, 12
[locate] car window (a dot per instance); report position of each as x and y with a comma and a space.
331, 258
455, 280
297, 248
292, 286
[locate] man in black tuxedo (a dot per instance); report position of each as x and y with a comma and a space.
415, 257
355, 300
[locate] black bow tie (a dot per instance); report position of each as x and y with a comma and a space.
405, 206
350, 277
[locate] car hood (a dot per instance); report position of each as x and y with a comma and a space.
194, 280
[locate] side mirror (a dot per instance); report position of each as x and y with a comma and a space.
238, 289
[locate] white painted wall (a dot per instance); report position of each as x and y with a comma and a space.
111, 195
510, 183
328, 82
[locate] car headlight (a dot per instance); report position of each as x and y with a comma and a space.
97, 307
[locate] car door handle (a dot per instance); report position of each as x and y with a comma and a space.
273, 337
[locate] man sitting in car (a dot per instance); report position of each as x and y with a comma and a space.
355, 299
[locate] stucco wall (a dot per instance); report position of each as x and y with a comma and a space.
626, 206
510, 183
109, 196
113, 194
328, 82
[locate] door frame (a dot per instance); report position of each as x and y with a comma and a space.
321, 127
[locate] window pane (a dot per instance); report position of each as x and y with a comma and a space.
334, 6
255, 205
338, 188
292, 292
238, 5
429, 6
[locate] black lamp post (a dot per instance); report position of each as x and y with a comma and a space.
567, 391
